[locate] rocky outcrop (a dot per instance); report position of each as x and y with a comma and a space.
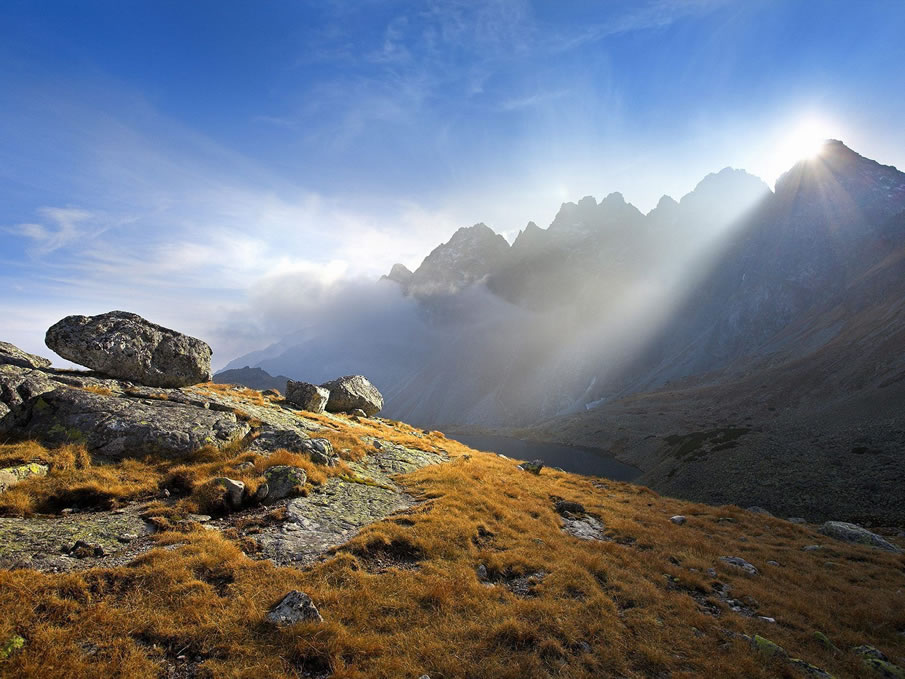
12, 355
117, 426
351, 392
849, 532
284, 481
126, 346
307, 396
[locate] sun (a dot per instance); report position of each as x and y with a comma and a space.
801, 141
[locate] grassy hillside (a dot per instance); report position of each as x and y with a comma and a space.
477, 579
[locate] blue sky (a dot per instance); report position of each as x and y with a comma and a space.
185, 160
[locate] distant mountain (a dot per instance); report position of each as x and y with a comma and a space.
253, 378
708, 307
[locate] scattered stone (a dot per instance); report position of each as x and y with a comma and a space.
773, 563
481, 572
11, 475
569, 507
585, 527
759, 510
868, 651
358, 412
307, 396
534, 466
766, 647
811, 548
83, 550
353, 392
234, 490
796, 519
849, 532
766, 618
824, 641
13, 355
875, 659
262, 492
284, 481
678, 519
321, 452
292, 608
809, 669
738, 562
128, 347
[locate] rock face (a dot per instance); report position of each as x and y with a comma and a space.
849, 532
12, 355
351, 392
307, 396
126, 346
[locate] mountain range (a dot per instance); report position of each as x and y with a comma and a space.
738, 345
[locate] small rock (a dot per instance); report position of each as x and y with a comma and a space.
534, 466
766, 619
200, 518
759, 510
796, 519
262, 492
738, 562
358, 412
811, 548
678, 519
321, 452
849, 532
283, 481
567, 506
292, 608
767, 647
234, 490
307, 396
481, 571
773, 563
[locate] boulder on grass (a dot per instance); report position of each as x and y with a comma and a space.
294, 607
850, 532
283, 481
353, 392
128, 347
307, 396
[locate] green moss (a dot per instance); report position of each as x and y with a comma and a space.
824, 641
10, 646
767, 647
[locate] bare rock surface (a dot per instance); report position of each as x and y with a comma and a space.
334, 512
127, 346
353, 392
850, 532
13, 355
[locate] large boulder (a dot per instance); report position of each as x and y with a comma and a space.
307, 396
121, 427
351, 392
13, 355
128, 347
850, 532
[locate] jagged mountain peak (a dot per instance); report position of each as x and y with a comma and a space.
468, 256
400, 273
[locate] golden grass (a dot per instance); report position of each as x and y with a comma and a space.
630, 600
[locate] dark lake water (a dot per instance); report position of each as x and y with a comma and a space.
571, 458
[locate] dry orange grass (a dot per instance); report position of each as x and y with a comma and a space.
605, 609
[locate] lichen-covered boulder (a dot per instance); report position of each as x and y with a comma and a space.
13, 355
850, 532
321, 452
351, 392
11, 475
307, 396
120, 427
128, 347
283, 481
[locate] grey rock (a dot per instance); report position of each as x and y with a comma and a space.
759, 510
358, 412
11, 475
13, 355
353, 392
738, 562
321, 452
849, 532
811, 548
481, 572
307, 396
294, 607
262, 492
121, 427
270, 439
17, 387
128, 347
773, 563
234, 490
678, 519
796, 519
587, 527
534, 466
283, 481
567, 506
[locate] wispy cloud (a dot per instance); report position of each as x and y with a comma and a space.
60, 227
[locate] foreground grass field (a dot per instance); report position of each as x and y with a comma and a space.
477, 580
